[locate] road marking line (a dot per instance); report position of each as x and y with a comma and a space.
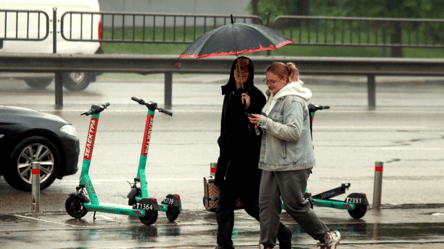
396, 148
218, 110
126, 180
47, 221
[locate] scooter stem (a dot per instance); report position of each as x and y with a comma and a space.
144, 153
85, 180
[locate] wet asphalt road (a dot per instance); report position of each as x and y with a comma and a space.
405, 132
387, 228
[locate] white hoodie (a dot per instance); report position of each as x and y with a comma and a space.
292, 88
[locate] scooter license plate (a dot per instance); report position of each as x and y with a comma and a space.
145, 206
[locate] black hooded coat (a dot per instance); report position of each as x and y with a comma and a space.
239, 144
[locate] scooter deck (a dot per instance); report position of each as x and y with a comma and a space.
334, 204
114, 209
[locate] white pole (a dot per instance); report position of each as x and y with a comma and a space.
35, 180
377, 190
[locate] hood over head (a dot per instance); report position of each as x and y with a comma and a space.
231, 85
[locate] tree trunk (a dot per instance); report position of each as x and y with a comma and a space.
397, 38
254, 5
303, 8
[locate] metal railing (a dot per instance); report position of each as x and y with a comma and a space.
185, 28
145, 28
428, 33
24, 25
362, 32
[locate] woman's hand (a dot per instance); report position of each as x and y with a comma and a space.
245, 99
254, 118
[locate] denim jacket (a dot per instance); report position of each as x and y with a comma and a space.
286, 140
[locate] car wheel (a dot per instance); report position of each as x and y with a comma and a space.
76, 81
33, 149
38, 83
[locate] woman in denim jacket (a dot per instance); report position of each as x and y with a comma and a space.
287, 157
237, 174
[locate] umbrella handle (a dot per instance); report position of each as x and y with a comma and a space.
238, 64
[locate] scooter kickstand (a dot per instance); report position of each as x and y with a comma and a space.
94, 216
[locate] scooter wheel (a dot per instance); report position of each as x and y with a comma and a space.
75, 208
149, 218
358, 212
172, 213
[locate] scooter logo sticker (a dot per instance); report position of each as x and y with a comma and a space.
90, 139
147, 135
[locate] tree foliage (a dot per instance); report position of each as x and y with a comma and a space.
279, 7
379, 8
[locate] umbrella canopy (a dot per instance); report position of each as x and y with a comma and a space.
234, 39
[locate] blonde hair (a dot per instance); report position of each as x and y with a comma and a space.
282, 70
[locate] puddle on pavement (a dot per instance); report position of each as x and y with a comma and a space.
363, 231
8, 218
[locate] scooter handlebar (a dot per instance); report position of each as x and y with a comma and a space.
140, 101
314, 108
96, 109
165, 111
151, 106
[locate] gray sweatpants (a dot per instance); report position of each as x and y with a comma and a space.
290, 186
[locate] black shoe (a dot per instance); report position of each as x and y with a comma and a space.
221, 247
284, 238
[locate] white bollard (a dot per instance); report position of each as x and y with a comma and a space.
377, 189
213, 167
35, 180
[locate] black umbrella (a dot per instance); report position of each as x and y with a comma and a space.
234, 39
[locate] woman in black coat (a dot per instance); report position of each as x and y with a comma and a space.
237, 173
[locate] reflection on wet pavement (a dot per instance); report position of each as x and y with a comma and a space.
197, 229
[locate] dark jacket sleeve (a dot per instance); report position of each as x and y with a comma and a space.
257, 102
224, 143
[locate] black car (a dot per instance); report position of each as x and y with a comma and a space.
28, 136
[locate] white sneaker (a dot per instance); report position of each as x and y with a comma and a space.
331, 240
263, 247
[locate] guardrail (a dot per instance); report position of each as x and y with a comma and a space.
169, 64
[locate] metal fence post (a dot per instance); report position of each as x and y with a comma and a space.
168, 90
371, 91
54, 30
268, 25
58, 79
35, 180
377, 189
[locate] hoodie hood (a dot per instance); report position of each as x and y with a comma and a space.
293, 88
231, 85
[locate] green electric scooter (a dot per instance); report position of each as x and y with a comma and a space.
355, 203
139, 204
